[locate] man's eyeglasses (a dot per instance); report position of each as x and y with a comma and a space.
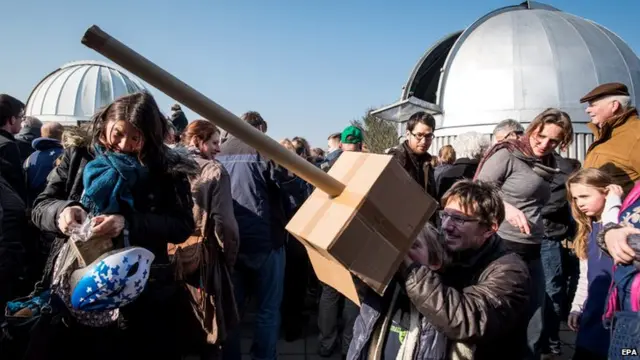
419, 137
457, 219
514, 134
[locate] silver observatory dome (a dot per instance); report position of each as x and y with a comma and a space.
513, 63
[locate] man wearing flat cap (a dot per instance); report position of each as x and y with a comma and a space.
616, 128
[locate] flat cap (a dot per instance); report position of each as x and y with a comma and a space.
607, 89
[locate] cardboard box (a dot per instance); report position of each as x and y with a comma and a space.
367, 230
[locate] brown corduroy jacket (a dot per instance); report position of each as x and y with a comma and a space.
616, 149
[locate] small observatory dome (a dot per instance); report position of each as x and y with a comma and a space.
514, 63
74, 92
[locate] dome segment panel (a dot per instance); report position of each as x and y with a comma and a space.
104, 91
630, 59
41, 93
86, 101
574, 68
50, 103
535, 63
118, 83
610, 66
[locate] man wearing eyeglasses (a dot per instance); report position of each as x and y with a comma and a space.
11, 114
413, 154
508, 129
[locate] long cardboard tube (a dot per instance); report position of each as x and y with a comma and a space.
137, 64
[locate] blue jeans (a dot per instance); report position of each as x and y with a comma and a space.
556, 289
536, 310
263, 276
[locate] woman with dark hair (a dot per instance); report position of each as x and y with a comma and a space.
523, 169
172, 135
216, 225
138, 192
302, 147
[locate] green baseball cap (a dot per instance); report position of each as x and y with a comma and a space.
351, 135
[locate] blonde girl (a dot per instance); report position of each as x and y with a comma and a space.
594, 201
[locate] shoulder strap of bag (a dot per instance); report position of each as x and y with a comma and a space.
635, 293
612, 304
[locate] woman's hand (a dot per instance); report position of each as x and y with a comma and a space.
617, 246
108, 225
574, 321
614, 190
70, 218
516, 218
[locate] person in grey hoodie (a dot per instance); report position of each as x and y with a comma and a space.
523, 169
31, 130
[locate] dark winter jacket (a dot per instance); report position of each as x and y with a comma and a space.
438, 170
479, 302
418, 166
556, 214
463, 168
260, 204
13, 226
39, 164
179, 120
163, 204
11, 163
13, 235
297, 191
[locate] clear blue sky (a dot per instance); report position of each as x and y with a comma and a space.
309, 66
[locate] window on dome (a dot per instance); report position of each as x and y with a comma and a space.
105, 92
424, 82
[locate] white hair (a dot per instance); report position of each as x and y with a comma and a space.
471, 145
508, 125
32, 122
623, 100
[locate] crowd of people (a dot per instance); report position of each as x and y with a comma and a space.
188, 223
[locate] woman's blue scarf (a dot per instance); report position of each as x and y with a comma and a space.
109, 180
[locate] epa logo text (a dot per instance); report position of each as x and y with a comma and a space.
628, 352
